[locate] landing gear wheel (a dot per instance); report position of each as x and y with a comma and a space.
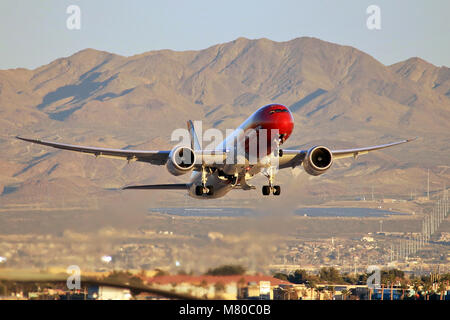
265, 190
276, 190
280, 153
199, 190
210, 190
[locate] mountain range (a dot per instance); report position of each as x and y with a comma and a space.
339, 96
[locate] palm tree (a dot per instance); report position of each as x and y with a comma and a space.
204, 286
441, 289
416, 286
240, 285
331, 288
304, 293
219, 287
403, 286
427, 287
319, 291
344, 293
310, 284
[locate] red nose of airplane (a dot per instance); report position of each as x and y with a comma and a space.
276, 116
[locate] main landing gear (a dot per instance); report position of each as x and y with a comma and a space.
204, 189
276, 190
200, 190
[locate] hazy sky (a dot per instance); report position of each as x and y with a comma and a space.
34, 32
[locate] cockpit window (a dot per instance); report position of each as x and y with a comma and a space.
277, 111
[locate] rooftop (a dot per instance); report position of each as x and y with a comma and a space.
214, 279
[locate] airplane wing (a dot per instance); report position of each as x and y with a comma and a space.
290, 158
153, 157
293, 158
347, 153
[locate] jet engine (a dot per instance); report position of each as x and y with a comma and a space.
181, 160
318, 159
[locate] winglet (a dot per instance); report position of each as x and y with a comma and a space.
28, 140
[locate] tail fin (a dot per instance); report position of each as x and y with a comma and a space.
195, 143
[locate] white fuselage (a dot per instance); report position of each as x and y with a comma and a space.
219, 178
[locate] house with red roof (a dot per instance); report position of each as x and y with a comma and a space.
219, 287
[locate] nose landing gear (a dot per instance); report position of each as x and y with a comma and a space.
270, 173
266, 190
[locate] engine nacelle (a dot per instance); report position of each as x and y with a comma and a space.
318, 160
181, 160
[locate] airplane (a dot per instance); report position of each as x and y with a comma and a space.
213, 179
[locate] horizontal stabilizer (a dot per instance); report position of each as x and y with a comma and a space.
175, 186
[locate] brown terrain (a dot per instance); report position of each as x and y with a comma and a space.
340, 97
